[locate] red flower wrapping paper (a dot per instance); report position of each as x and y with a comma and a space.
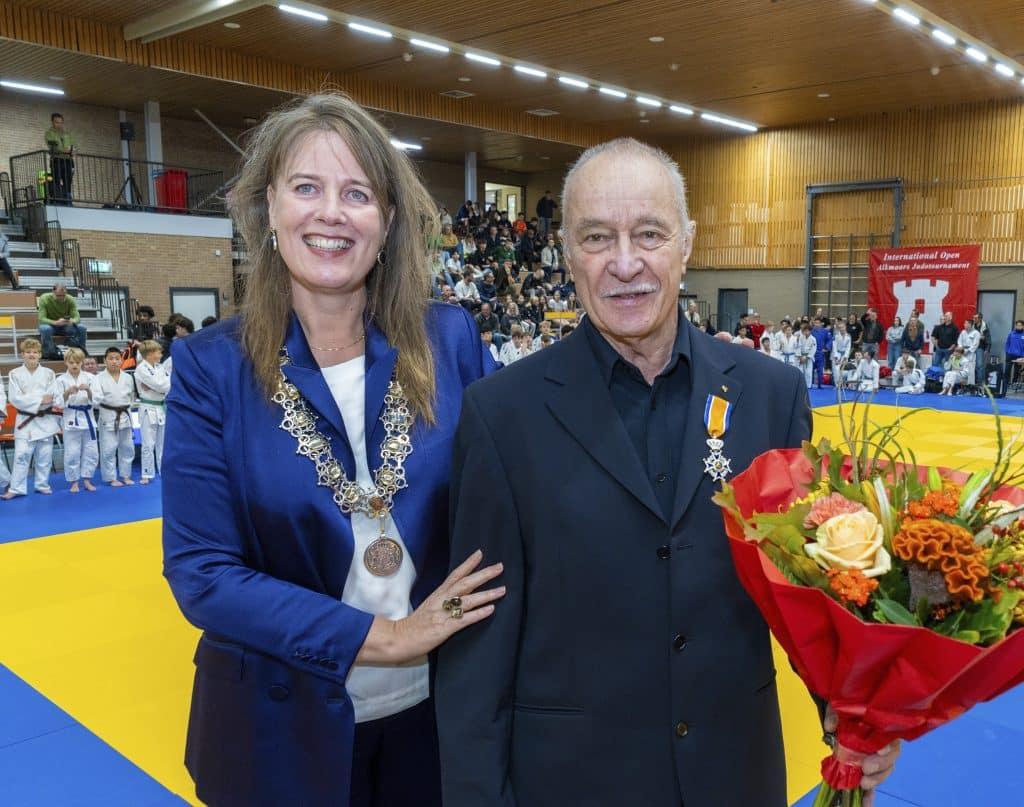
884, 681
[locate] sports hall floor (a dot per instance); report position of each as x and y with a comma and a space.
95, 660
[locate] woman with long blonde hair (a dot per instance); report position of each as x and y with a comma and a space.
306, 479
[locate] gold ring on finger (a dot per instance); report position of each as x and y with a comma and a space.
452, 603
456, 613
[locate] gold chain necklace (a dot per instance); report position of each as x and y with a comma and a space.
383, 557
343, 347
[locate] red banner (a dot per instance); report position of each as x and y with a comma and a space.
930, 280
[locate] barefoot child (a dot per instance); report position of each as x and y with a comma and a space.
153, 383
76, 390
31, 392
115, 393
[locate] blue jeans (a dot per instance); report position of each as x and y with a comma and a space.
75, 334
940, 355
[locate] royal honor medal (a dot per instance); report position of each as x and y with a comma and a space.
717, 412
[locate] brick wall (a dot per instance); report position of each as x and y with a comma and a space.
151, 264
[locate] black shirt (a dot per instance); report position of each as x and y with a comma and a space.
945, 335
654, 415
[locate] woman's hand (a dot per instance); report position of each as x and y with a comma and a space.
454, 605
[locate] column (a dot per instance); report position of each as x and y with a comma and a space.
154, 145
471, 186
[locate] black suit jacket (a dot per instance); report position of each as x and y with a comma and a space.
626, 665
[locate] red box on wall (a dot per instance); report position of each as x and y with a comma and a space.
171, 191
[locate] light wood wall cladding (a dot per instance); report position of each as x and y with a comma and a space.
47, 28
963, 168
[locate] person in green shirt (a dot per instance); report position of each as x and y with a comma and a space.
61, 144
58, 314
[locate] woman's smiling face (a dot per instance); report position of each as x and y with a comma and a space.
328, 220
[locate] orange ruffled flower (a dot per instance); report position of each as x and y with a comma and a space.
936, 502
851, 585
946, 548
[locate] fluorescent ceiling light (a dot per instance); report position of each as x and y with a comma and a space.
1006, 70
682, 110
647, 101
728, 122
477, 57
976, 54
906, 16
398, 144
17, 85
301, 12
943, 37
530, 71
573, 82
422, 43
613, 93
369, 29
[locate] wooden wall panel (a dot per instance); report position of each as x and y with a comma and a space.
963, 168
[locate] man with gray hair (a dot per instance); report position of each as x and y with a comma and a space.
625, 665
58, 314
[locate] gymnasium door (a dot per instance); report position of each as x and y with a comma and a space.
997, 308
732, 304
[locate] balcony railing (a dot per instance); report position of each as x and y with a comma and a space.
115, 183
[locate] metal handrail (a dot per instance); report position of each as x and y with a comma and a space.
106, 294
116, 183
54, 243
6, 192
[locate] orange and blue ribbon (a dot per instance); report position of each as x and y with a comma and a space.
717, 412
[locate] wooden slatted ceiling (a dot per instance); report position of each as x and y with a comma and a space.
109, 12
996, 22
750, 60
189, 57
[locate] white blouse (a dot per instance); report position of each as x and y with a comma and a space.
376, 692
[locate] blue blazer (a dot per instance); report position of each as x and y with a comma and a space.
257, 555
626, 665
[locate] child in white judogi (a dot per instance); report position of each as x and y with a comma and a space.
31, 392
841, 344
117, 448
75, 392
788, 345
806, 347
911, 380
153, 383
5, 473
865, 375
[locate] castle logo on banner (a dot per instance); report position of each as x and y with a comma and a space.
930, 280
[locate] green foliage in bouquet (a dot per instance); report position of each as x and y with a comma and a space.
894, 544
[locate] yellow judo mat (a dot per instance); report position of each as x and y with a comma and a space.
87, 619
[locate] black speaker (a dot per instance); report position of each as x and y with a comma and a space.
127, 130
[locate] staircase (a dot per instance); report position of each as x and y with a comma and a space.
18, 309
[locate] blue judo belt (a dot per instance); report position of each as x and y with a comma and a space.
88, 418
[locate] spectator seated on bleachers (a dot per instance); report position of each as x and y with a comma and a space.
58, 315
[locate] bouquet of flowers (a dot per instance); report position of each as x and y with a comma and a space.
895, 590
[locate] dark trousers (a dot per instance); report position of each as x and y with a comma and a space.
63, 170
8, 272
395, 760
